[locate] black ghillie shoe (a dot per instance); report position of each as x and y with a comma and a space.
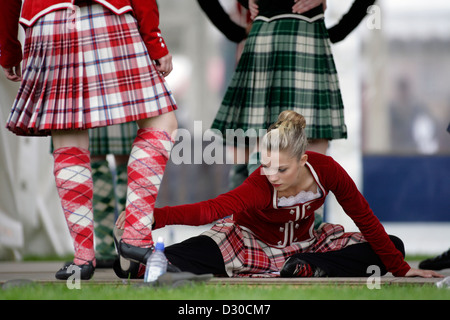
126, 269
129, 252
296, 267
439, 262
128, 264
86, 271
104, 263
133, 253
132, 260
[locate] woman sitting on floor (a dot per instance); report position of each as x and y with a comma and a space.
269, 229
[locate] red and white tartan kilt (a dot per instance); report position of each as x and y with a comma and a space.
84, 69
246, 256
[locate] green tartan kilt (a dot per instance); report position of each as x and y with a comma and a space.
286, 64
116, 139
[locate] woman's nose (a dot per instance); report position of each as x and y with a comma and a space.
272, 178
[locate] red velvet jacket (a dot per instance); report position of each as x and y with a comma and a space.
253, 205
145, 11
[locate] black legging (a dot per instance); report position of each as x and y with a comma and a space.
352, 261
201, 255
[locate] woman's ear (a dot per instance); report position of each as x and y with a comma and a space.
303, 159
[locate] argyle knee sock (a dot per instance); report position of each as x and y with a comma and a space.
73, 178
104, 205
149, 155
296, 267
304, 270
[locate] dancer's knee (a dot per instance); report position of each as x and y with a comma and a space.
398, 243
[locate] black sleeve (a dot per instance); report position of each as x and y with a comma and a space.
350, 20
244, 3
222, 21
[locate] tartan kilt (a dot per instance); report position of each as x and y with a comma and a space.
286, 64
85, 69
246, 256
116, 139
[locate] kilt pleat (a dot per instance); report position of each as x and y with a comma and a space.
85, 69
286, 64
246, 256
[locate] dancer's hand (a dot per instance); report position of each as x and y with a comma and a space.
302, 6
120, 222
253, 8
423, 273
164, 65
13, 73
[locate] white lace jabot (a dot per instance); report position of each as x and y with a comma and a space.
301, 197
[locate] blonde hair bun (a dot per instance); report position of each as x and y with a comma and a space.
287, 134
289, 119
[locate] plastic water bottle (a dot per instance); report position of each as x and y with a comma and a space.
156, 263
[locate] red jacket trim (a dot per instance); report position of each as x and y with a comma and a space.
28, 21
145, 11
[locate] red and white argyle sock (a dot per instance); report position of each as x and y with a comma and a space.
148, 159
73, 177
304, 270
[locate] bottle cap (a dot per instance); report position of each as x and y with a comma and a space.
160, 244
